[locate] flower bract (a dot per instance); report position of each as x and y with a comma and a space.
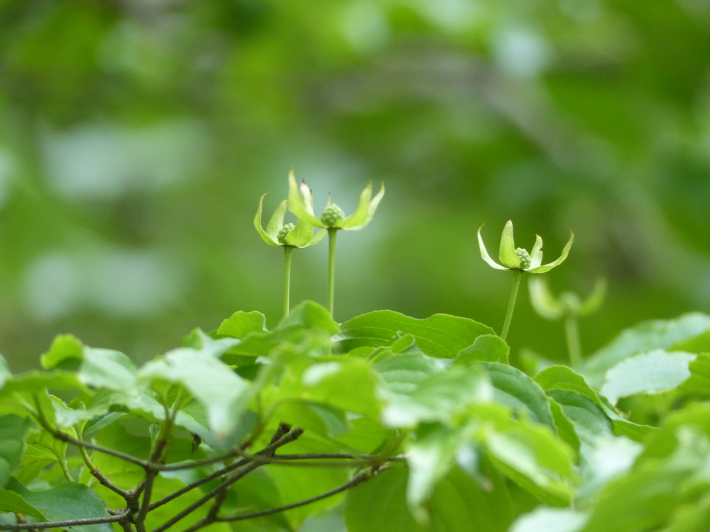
519, 259
301, 204
277, 234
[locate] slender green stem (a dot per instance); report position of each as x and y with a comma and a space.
517, 275
288, 251
573, 343
332, 234
65, 470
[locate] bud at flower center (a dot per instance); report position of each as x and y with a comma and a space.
524, 257
332, 214
285, 230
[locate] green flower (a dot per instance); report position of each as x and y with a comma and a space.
277, 234
519, 259
301, 204
567, 304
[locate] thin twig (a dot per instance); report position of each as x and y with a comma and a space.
271, 448
65, 524
361, 477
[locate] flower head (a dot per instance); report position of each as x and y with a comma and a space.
333, 217
554, 308
519, 259
277, 234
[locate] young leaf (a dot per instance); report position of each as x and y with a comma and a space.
12, 435
650, 373
588, 418
105, 368
430, 457
551, 520
487, 348
515, 389
66, 352
70, 500
645, 336
440, 336
215, 385
242, 323
440, 397
564, 378
13, 502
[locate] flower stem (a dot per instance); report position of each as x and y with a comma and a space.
332, 234
288, 251
517, 275
573, 344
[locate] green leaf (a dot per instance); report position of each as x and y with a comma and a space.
105, 368
13, 502
645, 336
515, 389
457, 504
440, 397
99, 422
565, 428
664, 441
641, 501
66, 352
242, 323
649, 373
404, 373
699, 380
12, 435
223, 393
507, 255
610, 458
70, 500
551, 520
486, 348
298, 483
309, 315
588, 418
564, 378
441, 335
380, 504
430, 457
347, 383
530, 454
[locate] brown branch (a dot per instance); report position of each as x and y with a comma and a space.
362, 476
64, 524
238, 474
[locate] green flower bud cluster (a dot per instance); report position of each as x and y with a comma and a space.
283, 232
332, 215
524, 257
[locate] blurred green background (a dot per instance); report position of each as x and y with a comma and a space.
137, 136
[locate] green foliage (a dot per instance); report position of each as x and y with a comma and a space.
383, 422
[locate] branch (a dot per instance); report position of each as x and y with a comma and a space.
118, 454
361, 477
275, 444
271, 448
65, 524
